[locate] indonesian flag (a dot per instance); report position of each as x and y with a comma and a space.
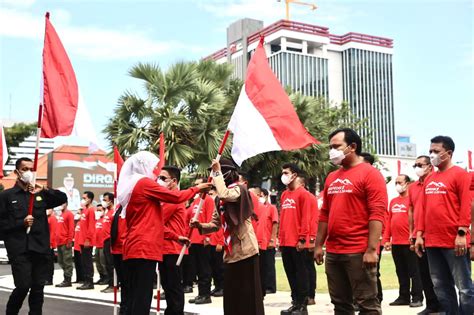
3, 151
264, 119
64, 112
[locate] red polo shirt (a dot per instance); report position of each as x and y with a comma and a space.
174, 218
65, 232
87, 223
272, 217
313, 220
107, 223
294, 216
397, 229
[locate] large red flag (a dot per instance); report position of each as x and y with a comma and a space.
264, 119
3, 151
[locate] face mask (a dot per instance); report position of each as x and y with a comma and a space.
419, 171
83, 202
77, 217
286, 179
336, 156
58, 208
400, 189
98, 215
162, 183
262, 199
26, 177
104, 204
436, 159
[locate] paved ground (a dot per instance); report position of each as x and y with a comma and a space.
71, 301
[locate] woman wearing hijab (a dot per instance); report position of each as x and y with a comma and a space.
234, 209
140, 195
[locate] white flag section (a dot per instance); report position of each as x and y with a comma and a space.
3, 150
83, 127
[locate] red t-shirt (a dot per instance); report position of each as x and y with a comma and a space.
294, 216
77, 237
65, 231
117, 247
272, 217
259, 225
217, 238
174, 218
351, 198
52, 222
313, 220
397, 230
87, 223
445, 205
99, 233
107, 223
145, 229
414, 191
204, 216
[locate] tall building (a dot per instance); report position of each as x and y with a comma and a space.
354, 67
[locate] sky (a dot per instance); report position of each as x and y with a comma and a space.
433, 51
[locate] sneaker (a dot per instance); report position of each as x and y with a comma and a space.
203, 300
417, 303
399, 301
217, 293
188, 289
108, 289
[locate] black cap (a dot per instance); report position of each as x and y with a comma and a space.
227, 164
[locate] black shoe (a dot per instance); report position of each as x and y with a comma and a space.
99, 281
203, 300
300, 310
290, 310
48, 282
79, 281
64, 284
103, 281
399, 301
217, 292
427, 311
86, 286
108, 289
268, 291
193, 300
188, 289
162, 296
417, 303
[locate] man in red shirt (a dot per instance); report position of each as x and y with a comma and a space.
271, 233
174, 219
423, 169
350, 222
118, 231
87, 226
108, 205
99, 245
77, 249
52, 222
140, 197
396, 238
200, 251
294, 229
442, 225
64, 236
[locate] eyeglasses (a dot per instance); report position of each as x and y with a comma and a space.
163, 178
418, 165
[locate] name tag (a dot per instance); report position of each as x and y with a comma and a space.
14, 201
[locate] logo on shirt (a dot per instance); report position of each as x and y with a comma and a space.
435, 188
396, 208
340, 186
288, 204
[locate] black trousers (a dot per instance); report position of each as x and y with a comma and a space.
51, 266
140, 274
270, 272
201, 256
109, 262
406, 267
121, 270
379, 283
78, 266
170, 276
311, 269
188, 270
30, 271
262, 259
87, 265
295, 269
432, 302
217, 266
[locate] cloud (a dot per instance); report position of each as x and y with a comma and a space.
88, 41
18, 3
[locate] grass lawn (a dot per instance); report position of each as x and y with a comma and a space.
387, 271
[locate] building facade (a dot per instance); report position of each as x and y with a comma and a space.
355, 68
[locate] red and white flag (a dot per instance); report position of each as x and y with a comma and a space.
64, 112
3, 151
264, 119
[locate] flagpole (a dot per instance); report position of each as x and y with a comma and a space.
116, 174
203, 195
158, 288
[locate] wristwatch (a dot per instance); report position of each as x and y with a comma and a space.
216, 173
461, 232
302, 241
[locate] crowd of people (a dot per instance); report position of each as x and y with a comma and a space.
235, 236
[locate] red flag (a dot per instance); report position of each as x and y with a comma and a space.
3, 151
264, 119
118, 160
161, 162
469, 159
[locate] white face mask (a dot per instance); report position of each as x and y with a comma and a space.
336, 156
104, 204
262, 199
419, 171
286, 179
98, 215
77, 217
59, 208
83, 202
436, 159
162, 183
26, 177
400, 188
